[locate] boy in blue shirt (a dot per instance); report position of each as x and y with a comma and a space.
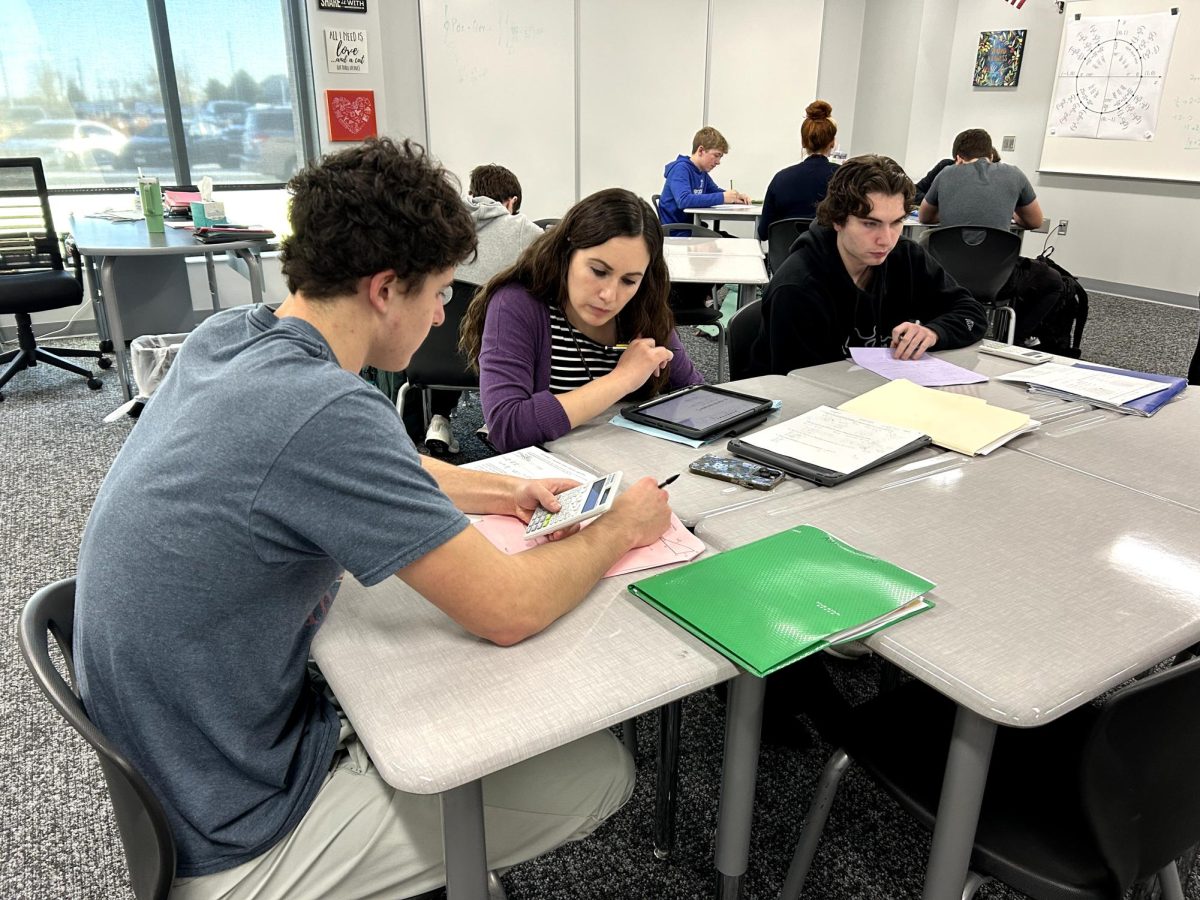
688, 183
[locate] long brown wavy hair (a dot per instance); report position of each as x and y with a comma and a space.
542, 270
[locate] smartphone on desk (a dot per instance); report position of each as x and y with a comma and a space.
737, 471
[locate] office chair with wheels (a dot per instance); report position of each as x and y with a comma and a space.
1081, 808
32, 275
741, 333
981, 260
145, 834
780, 237
437, 364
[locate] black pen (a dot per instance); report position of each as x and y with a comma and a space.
666, 481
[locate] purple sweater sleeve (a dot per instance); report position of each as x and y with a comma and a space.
514, 373
683, 371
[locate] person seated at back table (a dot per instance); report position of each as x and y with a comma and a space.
263, 469
978, 191
494, 202
794, 192
579, 323
688, 182
927, 181
851, 280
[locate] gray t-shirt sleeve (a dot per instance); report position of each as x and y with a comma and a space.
1025, 194
931, 195
350, 486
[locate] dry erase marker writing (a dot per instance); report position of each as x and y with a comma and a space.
666, 481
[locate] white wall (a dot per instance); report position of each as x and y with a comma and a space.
837, 74
1122, 232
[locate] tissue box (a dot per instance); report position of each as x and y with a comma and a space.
210, 213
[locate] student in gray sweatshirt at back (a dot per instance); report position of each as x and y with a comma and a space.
494, 201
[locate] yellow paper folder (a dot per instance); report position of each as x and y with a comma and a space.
957, 422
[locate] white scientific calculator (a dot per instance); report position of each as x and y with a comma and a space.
1026, 355
578, 504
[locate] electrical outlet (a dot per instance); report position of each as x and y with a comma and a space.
1062, 226
1008, 143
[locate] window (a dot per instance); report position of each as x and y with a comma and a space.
83, 89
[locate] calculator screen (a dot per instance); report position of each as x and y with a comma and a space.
593, 496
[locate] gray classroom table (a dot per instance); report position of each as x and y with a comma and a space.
437, 708
1053, 586
149, 279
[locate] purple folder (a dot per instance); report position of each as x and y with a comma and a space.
1151, 403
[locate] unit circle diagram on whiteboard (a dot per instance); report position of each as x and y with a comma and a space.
1110, 76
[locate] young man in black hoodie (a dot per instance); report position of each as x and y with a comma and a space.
852, 281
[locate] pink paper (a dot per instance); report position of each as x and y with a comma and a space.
507, 534
929, 371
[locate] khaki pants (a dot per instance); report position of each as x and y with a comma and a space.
363, 839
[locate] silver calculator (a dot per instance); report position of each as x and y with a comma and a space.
578, 504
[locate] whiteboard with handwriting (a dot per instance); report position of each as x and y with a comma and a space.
1139, 115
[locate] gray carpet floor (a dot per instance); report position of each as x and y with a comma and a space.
58, 834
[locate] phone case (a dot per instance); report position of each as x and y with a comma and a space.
736, 471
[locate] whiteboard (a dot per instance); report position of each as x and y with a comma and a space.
1174, 152
641, 89
500, 88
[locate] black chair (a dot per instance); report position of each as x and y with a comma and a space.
145, 834
741, 333
546, 224
654, 198
780, 237
981, 260
32, 275
437, 364
1081, 808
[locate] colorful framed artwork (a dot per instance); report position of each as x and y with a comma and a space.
351, 115
998, 63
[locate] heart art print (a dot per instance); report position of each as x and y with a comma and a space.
351, 115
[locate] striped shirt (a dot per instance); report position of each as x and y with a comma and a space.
575, 359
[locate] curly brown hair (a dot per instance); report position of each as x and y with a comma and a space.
542, 270
857, 177
373, 207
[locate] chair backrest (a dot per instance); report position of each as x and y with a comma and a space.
741, 332
28, 241
980, 259
546, 224
145, 832
654, 199
437, 362
780, 237
687, 229
1140, 785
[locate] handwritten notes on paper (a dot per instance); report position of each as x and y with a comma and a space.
929, 371
507, 534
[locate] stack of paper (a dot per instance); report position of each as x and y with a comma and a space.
929, 370
957, 422
777, 600
1139, 393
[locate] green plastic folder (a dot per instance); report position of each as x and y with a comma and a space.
769, 603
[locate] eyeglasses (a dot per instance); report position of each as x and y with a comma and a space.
446, 293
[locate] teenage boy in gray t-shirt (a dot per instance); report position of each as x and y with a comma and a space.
261, 470
977, 191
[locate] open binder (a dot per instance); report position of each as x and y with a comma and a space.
828, 445
776, 600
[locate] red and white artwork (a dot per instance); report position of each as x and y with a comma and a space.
351, 115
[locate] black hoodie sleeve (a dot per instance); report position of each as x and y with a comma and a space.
800, 326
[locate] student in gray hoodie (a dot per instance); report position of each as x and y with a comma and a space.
494, 201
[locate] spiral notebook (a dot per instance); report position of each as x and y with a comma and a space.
777, 600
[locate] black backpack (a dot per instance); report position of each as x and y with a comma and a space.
1061, 331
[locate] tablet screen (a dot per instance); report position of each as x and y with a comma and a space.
700, 409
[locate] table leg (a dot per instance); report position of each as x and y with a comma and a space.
255, 274
743, 727
211, 267
93, 280
670, 720
463, 842
112, 316
958, 809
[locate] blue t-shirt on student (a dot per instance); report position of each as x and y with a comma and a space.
258, 472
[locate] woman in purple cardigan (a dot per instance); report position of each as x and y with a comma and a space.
579, 323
